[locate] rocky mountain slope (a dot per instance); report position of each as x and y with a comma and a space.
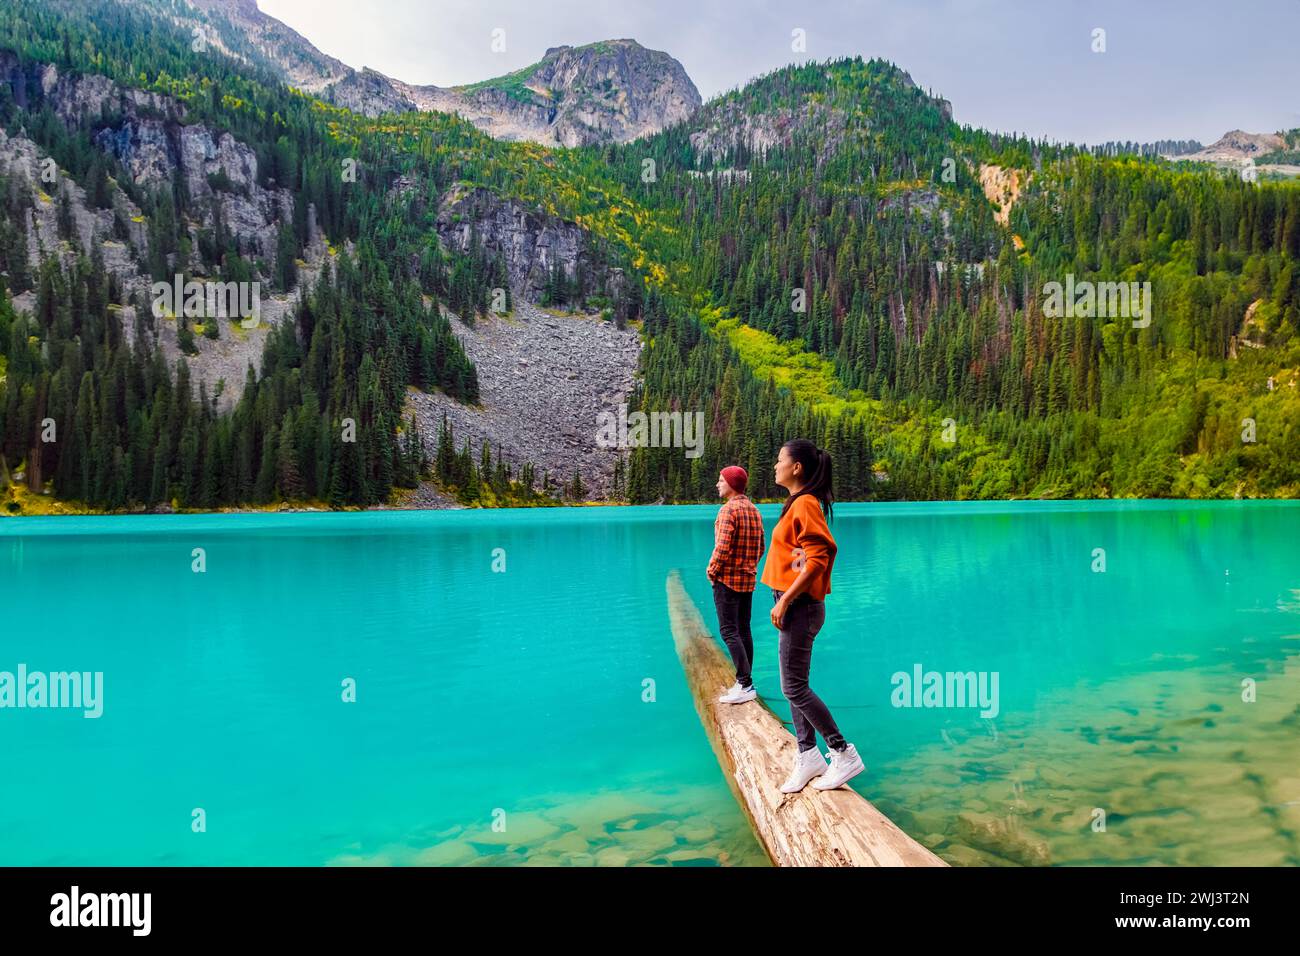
544, 379
544, 376
531, 243
609, 92
151, 139
245, 30
613, 91
1273, 153
1237, 146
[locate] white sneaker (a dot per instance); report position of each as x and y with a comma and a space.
807, 765
845, 765
737, 694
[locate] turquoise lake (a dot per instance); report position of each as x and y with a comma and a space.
520, 697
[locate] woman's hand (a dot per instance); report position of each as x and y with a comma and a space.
778, 613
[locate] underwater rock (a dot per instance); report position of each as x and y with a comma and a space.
1002, 837
522, 829
612, 856
451, 853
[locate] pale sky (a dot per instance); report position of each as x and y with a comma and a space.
1172, 69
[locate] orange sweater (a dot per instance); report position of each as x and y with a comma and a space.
801, 538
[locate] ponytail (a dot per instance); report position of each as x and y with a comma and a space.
817, 467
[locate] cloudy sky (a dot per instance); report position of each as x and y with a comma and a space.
1175, 69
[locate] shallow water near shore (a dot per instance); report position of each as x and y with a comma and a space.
539, 715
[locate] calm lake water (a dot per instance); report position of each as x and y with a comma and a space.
518, 697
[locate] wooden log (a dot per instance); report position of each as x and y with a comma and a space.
810, 828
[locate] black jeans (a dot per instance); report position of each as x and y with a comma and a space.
803, 619
734, 609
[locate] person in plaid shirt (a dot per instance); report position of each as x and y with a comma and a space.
737, 546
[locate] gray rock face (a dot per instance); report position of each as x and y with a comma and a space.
240, 29
148, 135
530, 241
730, 125
369, 93
614, 91
74, 96
23, 162
154, 150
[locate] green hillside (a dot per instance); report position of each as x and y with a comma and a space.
923, 350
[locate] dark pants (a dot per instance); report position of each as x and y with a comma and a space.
734, 608
803, 619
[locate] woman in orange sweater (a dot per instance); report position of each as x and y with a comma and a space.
798, 570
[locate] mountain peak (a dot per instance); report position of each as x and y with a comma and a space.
607, 91
1237, 146
601, 92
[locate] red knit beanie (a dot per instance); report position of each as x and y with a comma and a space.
735, 476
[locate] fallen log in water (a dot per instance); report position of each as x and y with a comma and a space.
811, 828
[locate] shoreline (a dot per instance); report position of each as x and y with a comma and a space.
57, 508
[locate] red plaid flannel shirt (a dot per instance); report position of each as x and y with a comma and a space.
737, 544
